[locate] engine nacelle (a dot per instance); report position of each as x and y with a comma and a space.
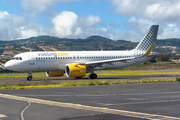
75, 70
54, 73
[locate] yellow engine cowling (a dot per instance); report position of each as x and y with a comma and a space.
75, 70
54, 73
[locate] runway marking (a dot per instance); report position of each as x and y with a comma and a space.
29, 104
103, 94
85, 107
1, 116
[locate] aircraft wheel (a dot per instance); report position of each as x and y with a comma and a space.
29, 78
93, 76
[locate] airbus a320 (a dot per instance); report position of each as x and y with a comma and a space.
78, 63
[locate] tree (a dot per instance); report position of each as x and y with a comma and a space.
163, 58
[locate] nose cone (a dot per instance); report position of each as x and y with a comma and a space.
9, 65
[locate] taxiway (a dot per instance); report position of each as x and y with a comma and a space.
131, 101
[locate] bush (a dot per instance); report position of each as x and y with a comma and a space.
177, 79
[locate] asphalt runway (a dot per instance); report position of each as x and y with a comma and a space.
111, 102
111, 78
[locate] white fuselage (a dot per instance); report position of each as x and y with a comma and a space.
56, 60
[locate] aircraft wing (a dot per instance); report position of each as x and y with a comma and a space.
95, 63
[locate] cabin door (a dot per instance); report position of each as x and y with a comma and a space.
31, 59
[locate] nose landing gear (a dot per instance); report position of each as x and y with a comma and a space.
29, 78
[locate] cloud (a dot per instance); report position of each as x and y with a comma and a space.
25, 32
3, 14
158, 10
38, 6
143, 14
90, 20
137, 27
15, 27
170, 31
64, 24
68, 24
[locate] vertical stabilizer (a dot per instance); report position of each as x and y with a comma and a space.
148, 40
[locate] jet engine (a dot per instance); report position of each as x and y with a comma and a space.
75, 70
54, 73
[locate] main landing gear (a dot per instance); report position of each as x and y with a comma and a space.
93, 76
91, 70
29, 78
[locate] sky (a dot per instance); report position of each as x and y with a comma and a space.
114, 19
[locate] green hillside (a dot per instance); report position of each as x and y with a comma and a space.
90, 43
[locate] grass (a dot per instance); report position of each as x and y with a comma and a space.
51, 84
7, 76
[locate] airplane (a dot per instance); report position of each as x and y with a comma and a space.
77, 63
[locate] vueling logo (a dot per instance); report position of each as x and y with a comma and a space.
62, 54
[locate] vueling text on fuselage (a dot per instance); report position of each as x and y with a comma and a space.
53, 54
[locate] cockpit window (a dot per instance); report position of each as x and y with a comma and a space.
17, 58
